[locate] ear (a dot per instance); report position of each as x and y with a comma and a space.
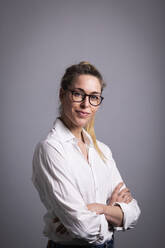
61, 94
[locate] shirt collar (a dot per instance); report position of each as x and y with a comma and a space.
87, 138
66, 135
62, 131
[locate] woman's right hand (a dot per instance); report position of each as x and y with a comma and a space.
119, 195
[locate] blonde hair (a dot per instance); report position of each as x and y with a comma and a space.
70, 75
90, 129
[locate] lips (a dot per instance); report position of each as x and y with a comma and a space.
82, 113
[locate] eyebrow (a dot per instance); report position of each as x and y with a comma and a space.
94, 92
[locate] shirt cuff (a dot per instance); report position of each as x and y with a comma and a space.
131, 214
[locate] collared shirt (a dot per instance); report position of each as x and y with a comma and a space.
66, 183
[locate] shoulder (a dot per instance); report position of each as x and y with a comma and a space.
48, 148
48, 157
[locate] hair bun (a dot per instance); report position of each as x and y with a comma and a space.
84, 63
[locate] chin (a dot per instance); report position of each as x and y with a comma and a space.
80, 122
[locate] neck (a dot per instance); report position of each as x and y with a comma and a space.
76, 131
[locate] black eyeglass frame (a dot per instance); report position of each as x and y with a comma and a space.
84, 96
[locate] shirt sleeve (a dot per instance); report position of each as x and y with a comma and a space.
58, 192
131, 210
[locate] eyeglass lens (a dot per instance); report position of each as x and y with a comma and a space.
93, 99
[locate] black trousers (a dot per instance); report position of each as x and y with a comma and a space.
107, 244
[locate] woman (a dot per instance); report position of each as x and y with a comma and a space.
75, 174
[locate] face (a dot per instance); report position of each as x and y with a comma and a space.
77, 114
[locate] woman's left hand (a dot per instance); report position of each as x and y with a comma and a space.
113, 214
96, 207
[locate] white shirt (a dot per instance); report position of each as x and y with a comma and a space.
66, 183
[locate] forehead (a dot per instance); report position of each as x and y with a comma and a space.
88, 83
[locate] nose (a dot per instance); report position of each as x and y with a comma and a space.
85, 103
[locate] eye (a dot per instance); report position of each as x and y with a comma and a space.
94, 97
76, 94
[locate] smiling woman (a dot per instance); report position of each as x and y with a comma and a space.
75, 174
77, 107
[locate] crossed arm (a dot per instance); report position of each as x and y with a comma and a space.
112, 211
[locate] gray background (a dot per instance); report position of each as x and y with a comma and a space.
125, 40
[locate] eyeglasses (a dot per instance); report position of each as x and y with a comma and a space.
94, 100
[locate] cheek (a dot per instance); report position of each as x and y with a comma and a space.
66, 106
94, 110
69, 107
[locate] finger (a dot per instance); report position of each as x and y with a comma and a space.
113, 198
117, 188
123, 197
115, 192
129, 199
124, 191
120, 199
56, 219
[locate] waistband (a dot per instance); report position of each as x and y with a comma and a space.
107, 244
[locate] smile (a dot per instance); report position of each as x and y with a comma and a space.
82, 113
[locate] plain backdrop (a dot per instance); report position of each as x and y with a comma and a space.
125, 40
